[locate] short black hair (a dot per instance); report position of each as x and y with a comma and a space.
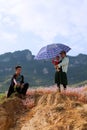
18, 66
63, 52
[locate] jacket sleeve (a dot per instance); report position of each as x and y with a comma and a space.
11, 88
64, 62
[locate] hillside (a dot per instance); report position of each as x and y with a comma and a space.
45, 109
39, 73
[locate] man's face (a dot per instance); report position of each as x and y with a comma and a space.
18, 70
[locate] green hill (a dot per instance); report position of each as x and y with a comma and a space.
39, 73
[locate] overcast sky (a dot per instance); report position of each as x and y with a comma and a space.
32, 24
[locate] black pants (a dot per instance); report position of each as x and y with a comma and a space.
61, 78
64, 85
10, 91
19, 89
23, 89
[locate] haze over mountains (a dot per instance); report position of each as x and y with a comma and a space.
39, 73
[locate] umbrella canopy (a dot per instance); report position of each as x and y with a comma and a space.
51, 51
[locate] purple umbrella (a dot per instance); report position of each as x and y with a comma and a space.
51, 51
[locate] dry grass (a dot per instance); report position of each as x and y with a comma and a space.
79, 94
57, 111
47, 109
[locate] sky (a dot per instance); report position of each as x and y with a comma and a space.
32, 24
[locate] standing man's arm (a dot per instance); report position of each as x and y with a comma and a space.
64, 62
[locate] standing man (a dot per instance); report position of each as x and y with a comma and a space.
64, 64
17, 83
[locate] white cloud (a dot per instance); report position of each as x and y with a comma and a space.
58, 18
47, 19
7, 20
5, 36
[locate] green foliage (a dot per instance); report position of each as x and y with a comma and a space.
2, 97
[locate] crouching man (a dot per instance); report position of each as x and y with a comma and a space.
17, 83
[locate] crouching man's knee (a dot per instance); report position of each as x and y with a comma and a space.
26, 85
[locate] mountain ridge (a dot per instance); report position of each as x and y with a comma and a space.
80, 54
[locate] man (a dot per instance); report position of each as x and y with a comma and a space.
64, 65
17, 83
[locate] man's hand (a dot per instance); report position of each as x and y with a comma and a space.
22, 85
57, 68
18, 84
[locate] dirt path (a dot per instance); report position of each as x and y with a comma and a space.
43, 111
54, 112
